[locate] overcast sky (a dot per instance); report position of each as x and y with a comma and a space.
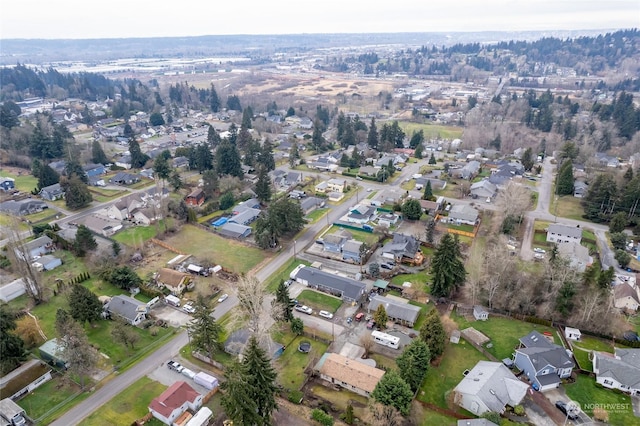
161, 18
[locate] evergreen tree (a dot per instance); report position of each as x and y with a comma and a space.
204, 332
433, 334
156, 119
380, 317
227, 200
84, 305
116, 248
138, 159
162, 168
11, 345
210, 183
628, 174
618, 222
175, 180
247, 116
76, 193
250, 388
215, 100
411, 209
447, 267
294, 155
413, 363
428, 192
73, 168
394, 391
372, 136
97, 153
228, 160
600, 198
416, 139
418, 153
432, 159
527, 159
565, 179
284, 302
213, 138
84, 242
45, 174
265, 156
204, 158
263, 186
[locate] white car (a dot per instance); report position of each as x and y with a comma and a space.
188, 309
189, 373
325, 314
539, 250
223, 298
303, 308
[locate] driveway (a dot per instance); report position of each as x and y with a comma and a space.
175, 317
559, 394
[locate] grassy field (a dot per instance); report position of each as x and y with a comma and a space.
585, 392
441, 380
431, 131
128, 406
25, 182
207, 246
420, 280
103, 195
383, 361
504, 332
316, 215
424, 309
341, 399
319, 301
566, 206
292, 363
367, 237
48, 396
136, 235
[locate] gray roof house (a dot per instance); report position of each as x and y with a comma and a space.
309, 204
580, 188
398, 310
361, 214
47, 263
489, 386
251, 203
34, 248
23, 207
483, 189
234, 230
124, 178
236, 342
348, 289
351, 251
52, 192
462, 213
559, 233
245, 217
578, 255
467, 172
544, 363
333, 242
7, 183
129, 309
620, 370
401, 246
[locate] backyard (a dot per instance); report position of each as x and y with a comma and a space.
316, 215
46, 398
586, 392
319, 301
292, 363
231, 254
25, 182
368, 238
583, 348
566, 206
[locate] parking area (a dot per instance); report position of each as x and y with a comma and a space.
168, 377
175, 317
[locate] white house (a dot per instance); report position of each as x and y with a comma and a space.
625, 297
559, 233
463, 214
480, 313
620, 370
129, 309
489, 386
571, 333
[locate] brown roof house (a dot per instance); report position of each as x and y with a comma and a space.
349, 373
625, 297
173, 402
195, 198
175, 281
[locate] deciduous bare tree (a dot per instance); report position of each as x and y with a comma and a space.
514, 200
366, 341
23, 264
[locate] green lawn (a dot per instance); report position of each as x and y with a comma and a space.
48, 396
103, 195
136, 235
585, 391
209, 247
319, 301
566, 206
583, 359
504, 332
44, 216
432, 131
442, 379
424, 309
24, 181
367, 237
383, 361
421, 278
594, 344
283, 274
128, 406
316, 215
292, 363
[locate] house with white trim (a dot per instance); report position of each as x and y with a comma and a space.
620, 370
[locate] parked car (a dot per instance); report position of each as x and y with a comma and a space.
359, 316
303, 308
325, 314
189, 309
223, 298
371, 324
189, 373
569, 412
386, 266
175, 366
539, 250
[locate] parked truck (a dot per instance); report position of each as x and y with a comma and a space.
206, 380
12, 413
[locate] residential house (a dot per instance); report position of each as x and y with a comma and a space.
296, 194
23, 207
173, 280
348, 373
489, 386
101, 225
463, 214
245, 217
559, 233
468, 172
124, 161
236, 342
195, 198
34, 248
436, 183
432, 207
97, 181
58, 166
322, 187
234, 230
576, 254
544, 363
47, 263
52, 353
309, 204
127, 308
52, 192
124, 207
346, 288
351, 251
174, 401
361, 214
7, 183
251, 203
398, 309
286, 180
368, 171
124, 178
388, 219
620, 370
480, 313
180, 163
625, 297
580, 189
402, 248
94, 170
333, 243
607, 160
336, 185
483, 189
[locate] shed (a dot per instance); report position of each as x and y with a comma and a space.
480, 313
47, 263
572, 333
381, 284
51, 352
455, 337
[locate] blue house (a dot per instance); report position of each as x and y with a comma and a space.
544, 363
93, 170
333, 242
7, 183
351, 251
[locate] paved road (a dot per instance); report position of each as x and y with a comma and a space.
121, 382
